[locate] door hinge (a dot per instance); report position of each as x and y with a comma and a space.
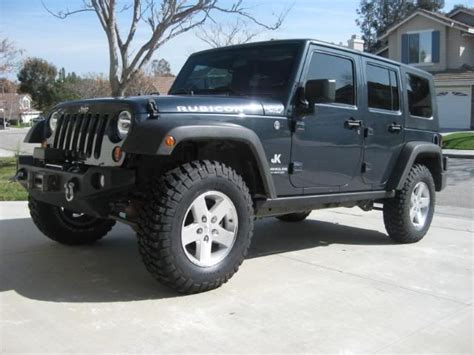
366, 167
295, 167
297, 126
368, 132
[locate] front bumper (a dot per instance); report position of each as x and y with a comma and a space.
83, 189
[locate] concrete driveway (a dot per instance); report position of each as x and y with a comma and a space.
333, 283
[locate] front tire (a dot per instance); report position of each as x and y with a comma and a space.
66, 227
196, 227
408, 215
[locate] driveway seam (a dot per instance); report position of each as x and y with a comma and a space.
376, 280
426, 326
432, 226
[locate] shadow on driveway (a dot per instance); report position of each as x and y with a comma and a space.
111, 269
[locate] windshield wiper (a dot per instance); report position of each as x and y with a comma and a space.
183, 92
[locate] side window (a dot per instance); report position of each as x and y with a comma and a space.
330, 79
382, 87
419, 96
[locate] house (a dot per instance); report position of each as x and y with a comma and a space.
443, 45
17, 107
163, 83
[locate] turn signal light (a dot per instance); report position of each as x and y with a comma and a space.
170, 141
117, 154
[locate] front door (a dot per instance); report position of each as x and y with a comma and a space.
327, 143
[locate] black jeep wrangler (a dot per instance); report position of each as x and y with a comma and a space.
278, 128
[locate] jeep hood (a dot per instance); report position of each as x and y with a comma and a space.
182, 104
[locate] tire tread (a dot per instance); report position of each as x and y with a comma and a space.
155, 223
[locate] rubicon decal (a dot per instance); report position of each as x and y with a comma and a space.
219, 108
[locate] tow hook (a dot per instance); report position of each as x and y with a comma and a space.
20, 175
69, 189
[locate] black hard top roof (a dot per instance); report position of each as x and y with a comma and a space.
307, 41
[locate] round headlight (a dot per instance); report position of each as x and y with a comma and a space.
53, 121
124, 122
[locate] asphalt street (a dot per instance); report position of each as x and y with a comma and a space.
11, 142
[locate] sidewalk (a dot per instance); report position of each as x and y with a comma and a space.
459, 154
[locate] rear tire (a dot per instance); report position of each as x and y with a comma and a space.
408, 215
186, 240
294, 217
66, 227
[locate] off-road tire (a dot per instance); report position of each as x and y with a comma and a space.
294, 217
54, 223
396, 210
162, 215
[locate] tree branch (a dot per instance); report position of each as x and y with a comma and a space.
167, 20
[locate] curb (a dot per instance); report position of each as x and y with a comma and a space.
458, 156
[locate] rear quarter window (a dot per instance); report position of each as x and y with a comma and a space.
419, 96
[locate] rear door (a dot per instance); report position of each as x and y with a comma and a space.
384, 121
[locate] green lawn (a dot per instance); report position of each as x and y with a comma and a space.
462, 140
10, 191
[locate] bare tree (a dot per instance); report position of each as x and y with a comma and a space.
142, 84
88, 86
9, 54
221, 35
166, 19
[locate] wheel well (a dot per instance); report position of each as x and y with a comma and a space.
433, 163
235, 154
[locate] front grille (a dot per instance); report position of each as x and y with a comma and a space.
81, 135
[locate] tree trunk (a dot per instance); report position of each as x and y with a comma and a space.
118, 89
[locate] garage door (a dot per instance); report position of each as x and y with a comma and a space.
454, 107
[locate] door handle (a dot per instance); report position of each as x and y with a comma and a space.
352, 124
395, 127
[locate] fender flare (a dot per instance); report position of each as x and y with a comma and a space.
227, 133
410, 152
37, 133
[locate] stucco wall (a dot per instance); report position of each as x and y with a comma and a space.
419, 23
460, 49
455, 49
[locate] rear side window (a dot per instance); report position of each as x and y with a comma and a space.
382, 86
332, 78
419, 96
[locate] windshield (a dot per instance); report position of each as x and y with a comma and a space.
252, 71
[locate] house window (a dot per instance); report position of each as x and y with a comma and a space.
25, 103
420, 47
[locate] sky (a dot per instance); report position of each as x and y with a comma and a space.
79, 44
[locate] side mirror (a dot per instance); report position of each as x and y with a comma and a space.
320, 91
302, 104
